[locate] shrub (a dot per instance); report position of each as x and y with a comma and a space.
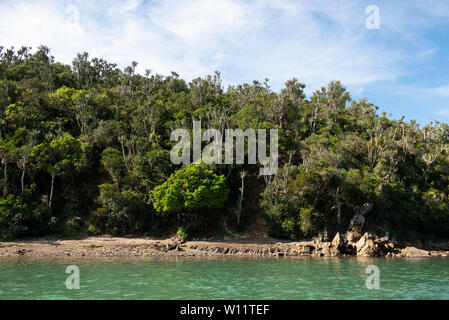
192, 187
20, 219
189, 194
93, 230
73, 226
182, 233
124, 211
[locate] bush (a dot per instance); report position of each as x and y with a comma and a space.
191, 188
73, 226
308, 226
93, 230
20, 219
289, 215
283, 221
190, 194
124, 211
182, 233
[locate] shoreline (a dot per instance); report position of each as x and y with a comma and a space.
106, 246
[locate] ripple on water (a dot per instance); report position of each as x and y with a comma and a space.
230, 278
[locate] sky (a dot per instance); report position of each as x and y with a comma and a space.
398, 59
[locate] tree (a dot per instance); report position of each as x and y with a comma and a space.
63, 156
242, 190
60, 123
6, 155
191, 188
112, 161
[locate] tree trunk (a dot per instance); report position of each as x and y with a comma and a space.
239, 209
51, 190
5, 173
22, 179
123, 154
337, 200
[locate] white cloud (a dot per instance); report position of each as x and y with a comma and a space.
315, 41
198, 21
129, 5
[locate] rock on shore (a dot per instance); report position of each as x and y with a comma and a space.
348, 244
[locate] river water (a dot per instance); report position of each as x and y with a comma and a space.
225, 278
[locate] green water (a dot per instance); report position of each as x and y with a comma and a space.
224, 278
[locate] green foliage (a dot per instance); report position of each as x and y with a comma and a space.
73, 226
112, 161
189, 188
17, 218
61, 156
182, 233
92, 230
124, 212
13, 216
86, 148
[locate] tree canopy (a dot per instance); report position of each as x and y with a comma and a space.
85, 148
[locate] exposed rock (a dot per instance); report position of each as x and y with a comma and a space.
352, 236
436, 254
177, 239
368, 249
412, 252
357, 222
21, 252
171, 244
349, 243
326, 249
361, 242
321, 237
339, 241
366, 246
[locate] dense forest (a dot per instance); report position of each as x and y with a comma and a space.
85, 150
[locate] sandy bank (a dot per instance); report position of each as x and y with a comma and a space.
120, 247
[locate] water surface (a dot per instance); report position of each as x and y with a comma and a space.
224, 278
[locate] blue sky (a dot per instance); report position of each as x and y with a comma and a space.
402, 67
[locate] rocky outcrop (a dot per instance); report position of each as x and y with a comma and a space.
352, 236
357, 222
339, 241
173, 243
367, 245
347, 244
325, 249
412, 252
352, 243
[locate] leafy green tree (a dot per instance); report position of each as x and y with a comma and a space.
60, 157
91, 119
112, 161
6, 156
124, 212
191, 188
18, 218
